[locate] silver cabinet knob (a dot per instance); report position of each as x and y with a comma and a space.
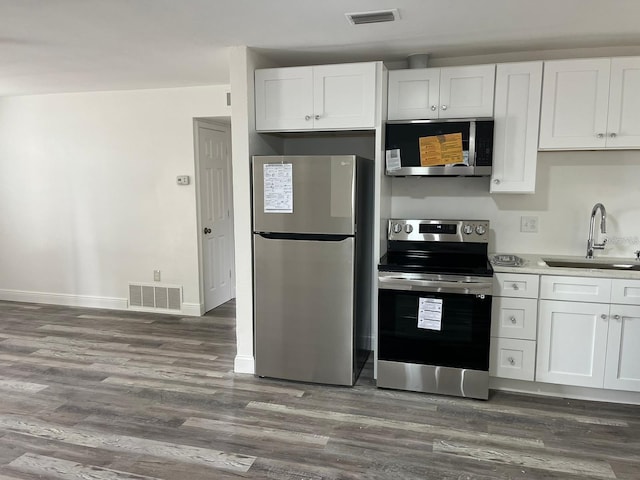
496, 181
434, 108
600, 135
513, 319
317, 117
443, 107
617, 317
307, 117
603, 316
613, 135
511, 361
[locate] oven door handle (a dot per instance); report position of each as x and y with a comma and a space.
436, 286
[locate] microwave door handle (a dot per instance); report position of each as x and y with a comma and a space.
472, 144
436, 286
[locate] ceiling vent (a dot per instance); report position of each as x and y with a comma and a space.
373, 17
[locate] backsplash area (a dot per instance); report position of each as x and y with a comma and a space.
568, 184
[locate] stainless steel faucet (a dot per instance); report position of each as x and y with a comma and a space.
591, 245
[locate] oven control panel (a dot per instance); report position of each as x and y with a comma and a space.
476, 231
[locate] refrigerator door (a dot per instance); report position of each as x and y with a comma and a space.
304, 194
304, 292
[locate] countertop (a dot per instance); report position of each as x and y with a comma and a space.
533, 263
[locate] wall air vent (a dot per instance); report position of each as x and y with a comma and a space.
373, 17
155, 297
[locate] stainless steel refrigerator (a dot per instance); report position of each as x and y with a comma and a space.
312, 239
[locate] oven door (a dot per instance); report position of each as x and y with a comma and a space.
434, 320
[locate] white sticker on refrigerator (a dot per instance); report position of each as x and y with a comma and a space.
430, 313
278, 188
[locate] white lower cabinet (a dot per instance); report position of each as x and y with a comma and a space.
589, 343
513, 326
572, 341
622, 366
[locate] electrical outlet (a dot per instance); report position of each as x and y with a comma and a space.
182, 180
156, 275
529, 224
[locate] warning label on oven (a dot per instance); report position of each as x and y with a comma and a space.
430, 313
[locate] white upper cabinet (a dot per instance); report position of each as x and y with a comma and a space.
591, 104
623, 126
515, 139
451, 92
324, 97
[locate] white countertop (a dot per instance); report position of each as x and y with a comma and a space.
533, 263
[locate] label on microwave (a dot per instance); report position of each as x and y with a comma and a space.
393, 160
430, 314
441, 150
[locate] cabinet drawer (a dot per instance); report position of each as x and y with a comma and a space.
514, 317
520, 285
575, 289
626, 292
512, 358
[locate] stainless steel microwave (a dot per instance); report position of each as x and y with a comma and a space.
403, 150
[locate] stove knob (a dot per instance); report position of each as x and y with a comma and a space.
397, 228
408, 228
481, 230
467, 229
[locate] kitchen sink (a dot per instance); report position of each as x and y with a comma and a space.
593, 263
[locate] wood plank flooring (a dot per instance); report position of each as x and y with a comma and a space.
103, 395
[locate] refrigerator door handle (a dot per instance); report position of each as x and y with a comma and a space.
312, 237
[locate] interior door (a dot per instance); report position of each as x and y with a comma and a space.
215, 210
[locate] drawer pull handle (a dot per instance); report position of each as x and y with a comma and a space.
513, 319
511, 361
515, 286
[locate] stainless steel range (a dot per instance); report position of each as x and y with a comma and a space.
434, 307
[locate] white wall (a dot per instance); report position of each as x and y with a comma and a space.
245, 142
568, 184
89, 201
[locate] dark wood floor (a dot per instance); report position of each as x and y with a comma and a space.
97, 394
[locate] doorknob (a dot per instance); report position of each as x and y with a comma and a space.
207, 230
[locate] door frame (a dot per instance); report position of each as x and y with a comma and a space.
224, 125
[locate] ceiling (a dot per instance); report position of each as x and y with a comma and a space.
51, 46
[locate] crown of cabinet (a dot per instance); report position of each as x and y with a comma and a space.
322, 97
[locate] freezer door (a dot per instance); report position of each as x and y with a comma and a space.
304, 326
304, 194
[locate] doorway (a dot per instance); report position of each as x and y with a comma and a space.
215, 212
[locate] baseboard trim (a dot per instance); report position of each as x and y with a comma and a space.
564, 391
64, 299
192, 309
244, 364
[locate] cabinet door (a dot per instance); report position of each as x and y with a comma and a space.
344, 96
575, 289
413, 94
575, 96
467, 92
515, 140
284, 99
623, 355
512, 358
514, 317
519, 285
572, 342
623, 129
